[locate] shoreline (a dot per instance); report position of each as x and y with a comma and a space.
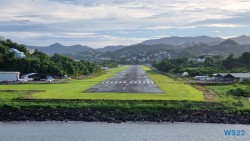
112, 116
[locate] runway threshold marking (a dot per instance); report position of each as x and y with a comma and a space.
125, 82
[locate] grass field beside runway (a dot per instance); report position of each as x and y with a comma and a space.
172, 90
72, 90
175, 90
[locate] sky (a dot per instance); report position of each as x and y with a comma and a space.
99, 23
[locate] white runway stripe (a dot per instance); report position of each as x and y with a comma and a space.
131, 82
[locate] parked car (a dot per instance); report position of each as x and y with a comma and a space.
22, 80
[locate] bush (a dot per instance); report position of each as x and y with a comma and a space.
238, 92
246, 81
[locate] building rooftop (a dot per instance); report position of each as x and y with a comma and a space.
9, 72
240, 75
29, 74
15, 50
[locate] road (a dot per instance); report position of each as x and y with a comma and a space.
132, 80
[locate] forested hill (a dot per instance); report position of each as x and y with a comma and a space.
61, 49
39, 62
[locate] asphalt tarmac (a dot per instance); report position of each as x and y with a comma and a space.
132, 80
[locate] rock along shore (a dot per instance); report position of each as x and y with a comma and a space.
118, 117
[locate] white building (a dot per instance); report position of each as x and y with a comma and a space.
18, 54
9, 76
196, 60
104, 68
2, 38
202, 78
185, 74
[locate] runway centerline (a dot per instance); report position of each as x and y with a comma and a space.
132, 80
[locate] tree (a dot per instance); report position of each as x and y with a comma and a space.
3, 49
39, 62
229, 62
245, 58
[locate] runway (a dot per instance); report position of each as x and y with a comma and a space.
132, 80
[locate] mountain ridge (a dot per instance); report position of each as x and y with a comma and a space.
61, 49
176, 40
243, 39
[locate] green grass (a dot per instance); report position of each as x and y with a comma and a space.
71, 90
10, 95
123, 106
172, 90
227, 99
70, 95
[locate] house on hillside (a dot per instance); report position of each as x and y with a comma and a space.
185, 74
196, 60
231, 76
104, 68
18, 54
2, 38
31, 51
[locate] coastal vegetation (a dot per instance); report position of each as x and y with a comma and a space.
38, 62
174, 90
63, 101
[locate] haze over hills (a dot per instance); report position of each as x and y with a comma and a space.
226, 47
152, 50
111, 48
140, 53
175, 40
73, 50
243, 40
61, 49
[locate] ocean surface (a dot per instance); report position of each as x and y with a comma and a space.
130, 131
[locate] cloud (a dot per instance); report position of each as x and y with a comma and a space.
91, 39
224, 25
115, 21
215, 31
